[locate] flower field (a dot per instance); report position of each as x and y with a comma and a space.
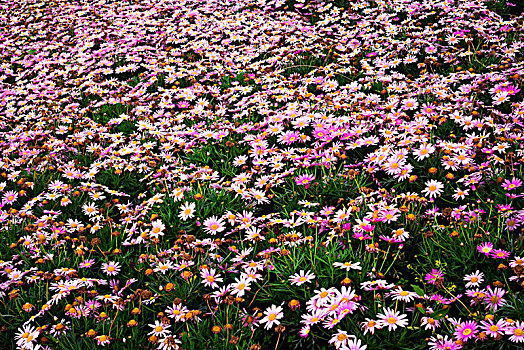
270, 174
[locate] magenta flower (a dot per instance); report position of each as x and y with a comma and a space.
112, 268
494, 298
510, 185
183, 104
434, 276
493, 329
10, 197
466, 330
485, 248
304, 180
516, 331
499, 254
86, 264
290, 137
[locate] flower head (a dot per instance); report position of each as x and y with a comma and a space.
392, 319
301, 278
272, 315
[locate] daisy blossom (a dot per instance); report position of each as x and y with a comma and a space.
392, 319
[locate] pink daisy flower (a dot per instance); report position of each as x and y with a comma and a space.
86, 264
301, 278
515, 331
290, 137
304, 331
493, 329
485, 248
518, 261
410, 104
511, 185
429, 323
240, 286
210, 278
402, 295
443, 342
272, 315
112, 268
355, 344
428, 109
434, 276
433, 188
494, 298
499, 254
392, 319
157, 229
304, 179
370, 326
213, 225
10, 197
102, 340
340, 339
474, 279
466, 330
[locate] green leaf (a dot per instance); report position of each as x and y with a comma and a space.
418, 290
439, 314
